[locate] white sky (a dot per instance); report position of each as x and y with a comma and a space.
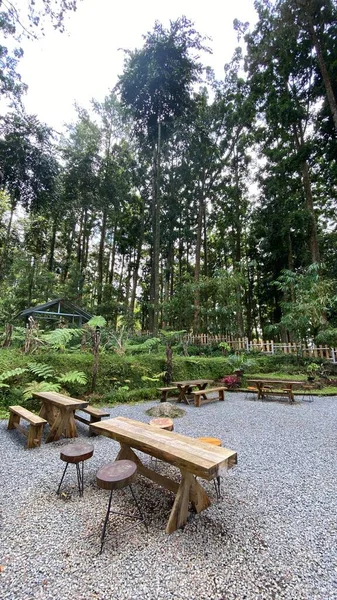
84, 62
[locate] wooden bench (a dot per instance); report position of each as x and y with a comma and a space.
95, 414
165, 391
285, 392
203, 393
36, 423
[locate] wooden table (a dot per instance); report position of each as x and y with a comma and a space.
193, 457
59, 411
262, 390
185, 387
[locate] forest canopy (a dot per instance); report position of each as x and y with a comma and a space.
182, 201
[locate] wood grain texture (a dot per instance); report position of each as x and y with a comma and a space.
177, 449
35, 429
59, 411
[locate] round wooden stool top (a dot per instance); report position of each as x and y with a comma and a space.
211, 440
116, 475
163, 423
75, 453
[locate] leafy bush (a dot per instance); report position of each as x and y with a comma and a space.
231, 381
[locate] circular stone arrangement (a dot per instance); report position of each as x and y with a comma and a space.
166, 409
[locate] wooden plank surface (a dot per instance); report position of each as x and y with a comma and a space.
27, 415
200, 458
192, 382
60, 399
283, 382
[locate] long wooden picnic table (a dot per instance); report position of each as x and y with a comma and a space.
263, 387
59, 411
185, 387
192, 457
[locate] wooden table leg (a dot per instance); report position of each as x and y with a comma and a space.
64, 424
179, 512
198, 496
202, 387
183, 390
70, 429
47, 412
187, 490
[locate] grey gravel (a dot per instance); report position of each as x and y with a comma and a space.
272, 536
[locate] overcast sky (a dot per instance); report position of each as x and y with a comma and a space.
85, 61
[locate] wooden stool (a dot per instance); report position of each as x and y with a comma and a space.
163, 423
76, 454
115, 476
217, 482
211, 440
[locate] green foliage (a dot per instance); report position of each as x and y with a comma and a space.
148, 346
12, 373
313, 368
158, 78
73, 377
41, 370
97, 321
327, 336
241, 361
308, 299
39, 386
59, 338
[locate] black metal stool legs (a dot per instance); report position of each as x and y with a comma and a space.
106, 522
217, 485
141, 518
64, 472
80, 478
109, 511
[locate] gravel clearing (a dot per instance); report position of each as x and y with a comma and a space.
273, 535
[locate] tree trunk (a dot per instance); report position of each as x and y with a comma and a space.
201, 209
100, 261
313, 241
325, 75
52, 245
156, 239
5, 252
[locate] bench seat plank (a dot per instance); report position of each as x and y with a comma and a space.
36, 423
164, 391
203, 394
96, 415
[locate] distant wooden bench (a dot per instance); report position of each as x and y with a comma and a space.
204, 394
165, 391
95, 414
36, 423
285, 392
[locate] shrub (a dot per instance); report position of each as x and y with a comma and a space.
231, 381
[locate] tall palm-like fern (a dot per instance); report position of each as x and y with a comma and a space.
59, 338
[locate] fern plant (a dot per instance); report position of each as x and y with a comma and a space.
9, 374
41, 370
39, 386
59, 338
73, 377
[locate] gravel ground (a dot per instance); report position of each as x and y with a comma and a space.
272, 536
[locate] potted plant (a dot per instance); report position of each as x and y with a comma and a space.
231, 381
225, 347
239, 363
312, 370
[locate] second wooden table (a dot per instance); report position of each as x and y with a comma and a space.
59, 411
